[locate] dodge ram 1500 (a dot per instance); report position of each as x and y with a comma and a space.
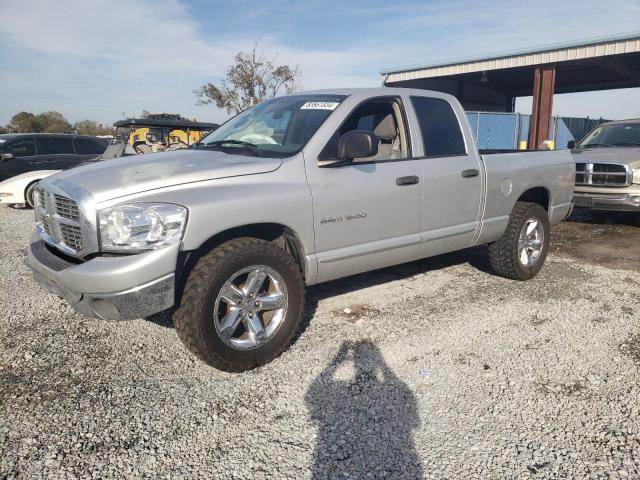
608, 167
294, 191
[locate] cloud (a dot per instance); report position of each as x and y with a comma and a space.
101, 58
73, 55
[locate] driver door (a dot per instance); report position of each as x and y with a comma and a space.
367, 213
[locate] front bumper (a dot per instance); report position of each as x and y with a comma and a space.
145, 282
618, 202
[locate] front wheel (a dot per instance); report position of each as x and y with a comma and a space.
241, 305
520, 252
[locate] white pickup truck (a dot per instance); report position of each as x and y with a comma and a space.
294, 191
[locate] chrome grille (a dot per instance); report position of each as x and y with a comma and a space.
59, 222
71, 236
581, 173
40, 195
67, 208
605, 174
45, 224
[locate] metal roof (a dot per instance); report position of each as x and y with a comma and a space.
170, 123
554, 53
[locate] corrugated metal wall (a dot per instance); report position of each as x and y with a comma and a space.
568, 128
507, 130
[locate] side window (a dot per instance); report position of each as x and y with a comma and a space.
439, 126
23, 147
381, 116
52, 145
84, 146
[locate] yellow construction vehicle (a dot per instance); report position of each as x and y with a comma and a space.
159, 134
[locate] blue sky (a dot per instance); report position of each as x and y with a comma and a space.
102, 59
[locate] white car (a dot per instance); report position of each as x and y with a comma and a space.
19, 189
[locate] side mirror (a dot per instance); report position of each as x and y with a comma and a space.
6, 156
571, 144
357, 144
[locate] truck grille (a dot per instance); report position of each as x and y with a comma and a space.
67, 208
40, 195
606, 174
71, 236
46, 225
60, 221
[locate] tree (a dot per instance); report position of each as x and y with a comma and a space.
252, 79
91, 127
53, 122
23, 122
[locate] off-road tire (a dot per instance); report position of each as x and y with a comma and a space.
194, 318
503, 254
28, 194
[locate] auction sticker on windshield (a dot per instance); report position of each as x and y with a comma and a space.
319, 106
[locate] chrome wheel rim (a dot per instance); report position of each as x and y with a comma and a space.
531, 242
250, 307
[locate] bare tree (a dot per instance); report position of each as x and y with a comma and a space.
252, 79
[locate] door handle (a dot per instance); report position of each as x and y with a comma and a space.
472, 172
410, 180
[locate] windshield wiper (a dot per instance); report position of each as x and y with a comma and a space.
249, 147
589, 145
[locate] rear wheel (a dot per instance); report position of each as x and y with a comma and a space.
28, 194
241, 304
521, 251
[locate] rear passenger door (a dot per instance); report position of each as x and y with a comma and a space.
56, 152
452, 176
89, 148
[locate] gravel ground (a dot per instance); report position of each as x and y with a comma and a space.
437, 369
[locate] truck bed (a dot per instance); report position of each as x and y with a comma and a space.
510, 175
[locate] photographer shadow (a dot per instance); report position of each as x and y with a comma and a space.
365, 416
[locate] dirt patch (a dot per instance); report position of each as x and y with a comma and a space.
356, 312
611, 239
631, 347
536, 320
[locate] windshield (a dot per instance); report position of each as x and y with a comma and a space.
278, 127
117, 144
619, 134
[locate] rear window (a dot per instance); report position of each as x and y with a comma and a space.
85, 146
54, 145
439, 125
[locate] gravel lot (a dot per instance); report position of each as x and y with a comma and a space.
438, 370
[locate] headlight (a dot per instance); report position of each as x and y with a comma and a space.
141, 226
635, 176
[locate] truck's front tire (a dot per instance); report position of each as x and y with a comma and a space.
520, 253
241, 304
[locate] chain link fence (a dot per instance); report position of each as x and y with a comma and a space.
511, 130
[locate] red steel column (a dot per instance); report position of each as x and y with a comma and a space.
544, 80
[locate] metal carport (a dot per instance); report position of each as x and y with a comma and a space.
492, 82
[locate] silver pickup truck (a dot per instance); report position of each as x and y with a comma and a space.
608, 167
294, 191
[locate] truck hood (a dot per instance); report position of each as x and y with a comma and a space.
123, 176
626, 155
